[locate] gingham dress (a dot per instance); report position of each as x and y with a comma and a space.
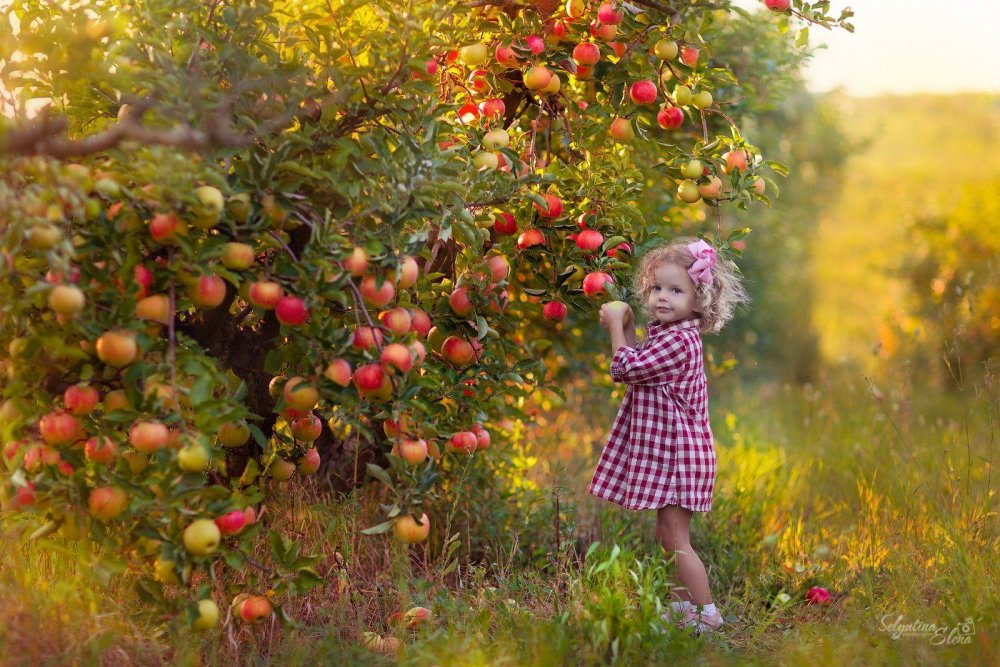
660, 450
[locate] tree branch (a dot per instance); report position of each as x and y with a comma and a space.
44, 134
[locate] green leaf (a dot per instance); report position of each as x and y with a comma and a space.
777, 167
378, 529
538, 199
613, 241
380, 474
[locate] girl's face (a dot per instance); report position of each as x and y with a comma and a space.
671, 297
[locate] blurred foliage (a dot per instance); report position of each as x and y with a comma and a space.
953, 271
910, 160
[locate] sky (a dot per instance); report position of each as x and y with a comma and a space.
909, 46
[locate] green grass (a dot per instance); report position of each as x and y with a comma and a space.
889, 504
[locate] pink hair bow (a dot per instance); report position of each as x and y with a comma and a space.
704, 261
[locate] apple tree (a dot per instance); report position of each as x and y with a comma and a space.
245, 242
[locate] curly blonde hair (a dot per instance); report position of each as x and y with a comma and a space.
714, 303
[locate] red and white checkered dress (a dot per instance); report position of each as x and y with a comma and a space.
660, 450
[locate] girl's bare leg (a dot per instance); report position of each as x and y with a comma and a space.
673, 524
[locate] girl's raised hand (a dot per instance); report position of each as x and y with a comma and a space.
616, 312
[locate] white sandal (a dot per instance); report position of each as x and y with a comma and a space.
702, 623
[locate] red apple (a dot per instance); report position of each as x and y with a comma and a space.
529, 238
339, 371
143, 278
117, 349
468, 113
148, 436
420, 322
36, 456
817, 594
643, 92
605, 32
778, 5
457, 351
609, 14
537, 78
208, 292
413, 452
396, 355
408, 273
478, 82
554, 207
231, 523
621, 130
166, 227
712, 189
265, 294
307, 429
498, 267
299, 394
535, 44
368, 377
419, 353
734, 160
291, 310
81, 399
397, 320
357, 263
59, 428
670, 118
106, 503
493, 108
24, 496
689, 55
586, 53
554, 311
505, 224
377, 296
589, 240
309, 463
593, 283
366, 337
463, 442
255, 609
460, 302
505, 55
621, 247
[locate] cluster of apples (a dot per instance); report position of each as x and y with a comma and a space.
698, 182
588, 240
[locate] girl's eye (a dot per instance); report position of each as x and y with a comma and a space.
677, 291
656, 287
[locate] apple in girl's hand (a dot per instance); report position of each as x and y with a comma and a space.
618, 307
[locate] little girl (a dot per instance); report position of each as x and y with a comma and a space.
660, 453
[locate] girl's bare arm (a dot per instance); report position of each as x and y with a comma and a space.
617, 332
